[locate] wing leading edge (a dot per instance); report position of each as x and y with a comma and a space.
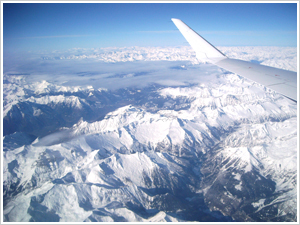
282, 81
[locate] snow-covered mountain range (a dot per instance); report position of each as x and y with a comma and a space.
190, 143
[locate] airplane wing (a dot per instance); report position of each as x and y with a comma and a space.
282, 81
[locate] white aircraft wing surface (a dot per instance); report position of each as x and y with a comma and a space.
282, 81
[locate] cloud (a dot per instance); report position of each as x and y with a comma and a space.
247, 32
54, 36
158, 31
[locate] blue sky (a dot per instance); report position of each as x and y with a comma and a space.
57, 26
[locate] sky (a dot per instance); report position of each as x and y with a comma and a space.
57, 26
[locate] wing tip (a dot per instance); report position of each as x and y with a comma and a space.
175, 19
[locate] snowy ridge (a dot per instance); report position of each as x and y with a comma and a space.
17, 90
44, 87
268, 149
71, 101
125, 54
151, 128
271, 56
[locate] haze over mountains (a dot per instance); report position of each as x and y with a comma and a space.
146, 134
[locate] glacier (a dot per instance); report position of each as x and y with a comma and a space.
147, 135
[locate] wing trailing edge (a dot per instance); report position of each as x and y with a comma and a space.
282, 81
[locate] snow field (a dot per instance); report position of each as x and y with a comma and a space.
105, 164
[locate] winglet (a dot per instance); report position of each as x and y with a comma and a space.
204, 50
282, 81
